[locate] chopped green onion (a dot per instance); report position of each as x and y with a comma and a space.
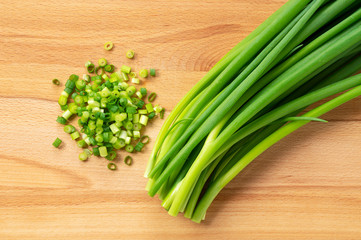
114, 128
103, 151
112, 166
139, 95
144, 139
135, 80
64, 107
86, 78
143, 91
113, 140
143, 120
72, 108
124, 76
73, 77
152, 96
88, 63
139, 146
149, 107
143, 73
109, 68
69, 129
152, 72
129, 148
61, 120
151, 115
81, 143
99, 138
131, 90
137, 126
111, 111
63, 100
75, 135
96, 151
88, 152
130, 54
136, 118
90, 68
125, 69
102, 62
161, 114
79, 100
57, 142
119, 143
136, 134
97, 71
70, 84
83, 156
128, 160
111, 155
56, 81
80, 84
108, 46
128, 140
132, 74
143, 111
129, 125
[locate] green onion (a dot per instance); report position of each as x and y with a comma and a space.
125, 69
130, 54
61, 120
131, 90
97, 71
111, 112
112, 166
111, 155
149, 107
109, 68
152, 96
57, 142
143, 91
152, 72
102, 62
103, 151
133, 74
73, 77
108, 46
138, 147
69, 129
96, 151
143, 73
128, 160
79, 100
81, 143
129, 148
56, 81
304, 53
75, 135
83, 156
90, 68
135, 80
144, 139
143, 120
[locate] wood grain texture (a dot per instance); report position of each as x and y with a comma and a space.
308, 186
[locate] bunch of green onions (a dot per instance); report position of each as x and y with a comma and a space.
306, 51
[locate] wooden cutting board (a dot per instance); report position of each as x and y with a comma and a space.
308, 186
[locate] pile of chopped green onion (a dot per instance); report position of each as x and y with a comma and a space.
253, 97
112, 112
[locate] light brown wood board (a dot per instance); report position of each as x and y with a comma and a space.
308, 186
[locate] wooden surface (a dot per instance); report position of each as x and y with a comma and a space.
308, 186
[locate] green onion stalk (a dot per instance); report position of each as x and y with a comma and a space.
305, 52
